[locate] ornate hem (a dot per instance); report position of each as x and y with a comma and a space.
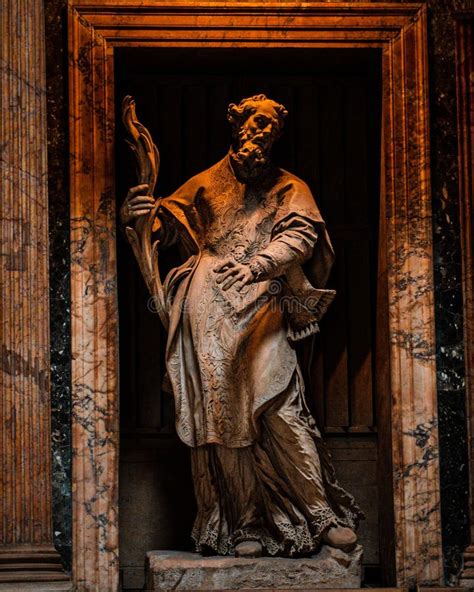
310, 329
296, 540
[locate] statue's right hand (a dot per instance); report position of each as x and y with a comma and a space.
136, 204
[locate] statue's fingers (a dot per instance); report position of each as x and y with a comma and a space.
222, 266
137, 213
233, 280
137, 189
227, 285
142, 199
141, 206
226, 274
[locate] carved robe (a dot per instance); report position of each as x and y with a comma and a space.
259, 466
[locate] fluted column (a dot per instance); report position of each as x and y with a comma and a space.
26, 539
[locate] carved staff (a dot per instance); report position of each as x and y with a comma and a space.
140, 237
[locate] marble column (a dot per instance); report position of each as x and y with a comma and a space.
27, 553
465, 105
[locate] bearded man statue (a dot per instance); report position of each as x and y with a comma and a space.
256, 257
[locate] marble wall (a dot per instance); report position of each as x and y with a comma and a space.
448, 297
58, 187
452, 421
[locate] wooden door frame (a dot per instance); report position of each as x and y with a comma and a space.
408, 440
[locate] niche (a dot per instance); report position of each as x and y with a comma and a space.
332, 141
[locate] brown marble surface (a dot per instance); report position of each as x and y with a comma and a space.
93, 316
26, 538
445, 226
412, 432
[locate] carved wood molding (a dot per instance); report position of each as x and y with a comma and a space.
465, 104
407, 398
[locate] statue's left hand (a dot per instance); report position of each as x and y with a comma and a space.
231, 273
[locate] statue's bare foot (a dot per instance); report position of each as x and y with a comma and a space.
340, 537
248, 549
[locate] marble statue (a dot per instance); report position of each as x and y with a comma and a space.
255, 259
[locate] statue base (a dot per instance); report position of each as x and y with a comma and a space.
176, 570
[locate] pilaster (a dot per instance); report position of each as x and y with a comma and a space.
27, 553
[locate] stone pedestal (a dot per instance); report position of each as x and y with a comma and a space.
176, 570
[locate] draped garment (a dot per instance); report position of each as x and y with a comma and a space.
228, 354
260, 468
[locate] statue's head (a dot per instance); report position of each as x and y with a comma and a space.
256, 123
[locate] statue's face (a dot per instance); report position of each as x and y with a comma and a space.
260, 129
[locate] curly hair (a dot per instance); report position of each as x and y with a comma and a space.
237, 114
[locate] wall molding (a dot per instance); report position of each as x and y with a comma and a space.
408, 440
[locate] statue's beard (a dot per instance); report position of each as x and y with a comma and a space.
251, 157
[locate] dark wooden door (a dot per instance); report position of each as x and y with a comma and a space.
331, 140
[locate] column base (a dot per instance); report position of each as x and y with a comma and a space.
466, 579
37, 587
31, 563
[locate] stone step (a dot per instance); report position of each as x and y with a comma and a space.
37, 587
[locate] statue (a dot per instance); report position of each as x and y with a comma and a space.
255, 260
